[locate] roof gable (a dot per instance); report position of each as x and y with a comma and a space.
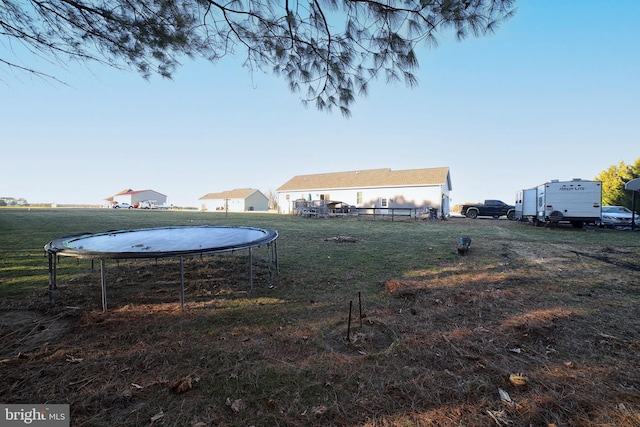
238, 193
130, 191
144, 191
369, 178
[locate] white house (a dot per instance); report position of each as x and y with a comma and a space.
238, 200
375, 188
134, 197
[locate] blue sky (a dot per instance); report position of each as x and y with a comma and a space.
553, 94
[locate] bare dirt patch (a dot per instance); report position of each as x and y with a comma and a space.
361, 339
341, 239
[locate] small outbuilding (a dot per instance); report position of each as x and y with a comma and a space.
238, 200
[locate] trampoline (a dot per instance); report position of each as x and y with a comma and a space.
161, 242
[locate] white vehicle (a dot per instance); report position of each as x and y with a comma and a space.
122, 205
577, 202
148, 204
525, 204
616, 217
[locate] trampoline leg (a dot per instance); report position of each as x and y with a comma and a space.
273, 256
182, 282
275, 245
103, 282
52, 277
55, 272
251, 269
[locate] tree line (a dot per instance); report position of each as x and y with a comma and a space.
613, 181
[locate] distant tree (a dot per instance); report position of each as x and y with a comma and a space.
635, 169
329, 50
613, 180
273, 199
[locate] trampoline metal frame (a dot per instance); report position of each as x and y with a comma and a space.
57, 248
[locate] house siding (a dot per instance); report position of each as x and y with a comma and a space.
256, 202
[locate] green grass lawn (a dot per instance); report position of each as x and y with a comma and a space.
439, 335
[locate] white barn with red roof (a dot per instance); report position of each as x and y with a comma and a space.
134, 197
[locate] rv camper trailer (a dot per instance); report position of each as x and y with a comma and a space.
577, 202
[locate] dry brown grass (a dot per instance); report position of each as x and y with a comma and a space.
436, 346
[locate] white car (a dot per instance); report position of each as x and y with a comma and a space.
148, 204
122, 205
615, 216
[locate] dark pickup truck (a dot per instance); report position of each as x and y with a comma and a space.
492, 208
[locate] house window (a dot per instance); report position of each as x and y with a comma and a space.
384, 202
359, 198
324, 197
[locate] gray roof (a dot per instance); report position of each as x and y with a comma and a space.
368, 179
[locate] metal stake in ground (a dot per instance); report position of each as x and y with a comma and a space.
349, 323
360, 304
